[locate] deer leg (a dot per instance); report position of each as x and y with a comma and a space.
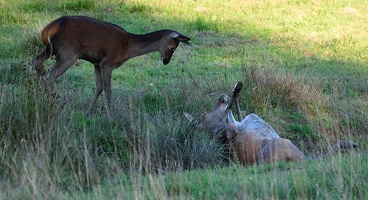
238, 111
38, 61
62, 64
99, 88
106, 78
230, 116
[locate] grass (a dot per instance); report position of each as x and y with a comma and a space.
303, 64
323, 179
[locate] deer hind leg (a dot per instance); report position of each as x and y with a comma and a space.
99, 88
63, 63
279, 149
38, 61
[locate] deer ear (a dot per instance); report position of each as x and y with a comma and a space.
223, 99
188, 116
181, 38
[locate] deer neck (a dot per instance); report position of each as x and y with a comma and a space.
218, 131
142, 44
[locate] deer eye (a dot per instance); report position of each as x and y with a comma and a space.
223, 100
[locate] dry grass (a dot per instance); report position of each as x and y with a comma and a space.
286, 89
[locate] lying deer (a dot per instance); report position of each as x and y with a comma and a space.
252, 140
105, 45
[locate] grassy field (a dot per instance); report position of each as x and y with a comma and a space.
304, 65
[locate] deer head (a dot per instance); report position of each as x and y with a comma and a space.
168, 45
214, 121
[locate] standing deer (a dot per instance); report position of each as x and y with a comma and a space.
252, 140
105, 45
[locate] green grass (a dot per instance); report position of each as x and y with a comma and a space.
304, 69
317, 179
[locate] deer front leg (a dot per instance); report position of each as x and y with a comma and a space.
99, 89
106, 77
230, 117
231, 133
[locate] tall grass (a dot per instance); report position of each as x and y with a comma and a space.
46, 147
289, 96
340, 177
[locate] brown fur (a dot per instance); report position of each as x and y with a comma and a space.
105, 45
253, 141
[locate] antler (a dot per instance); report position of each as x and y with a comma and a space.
235, 99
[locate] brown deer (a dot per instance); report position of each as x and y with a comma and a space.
105, 45
252, 140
